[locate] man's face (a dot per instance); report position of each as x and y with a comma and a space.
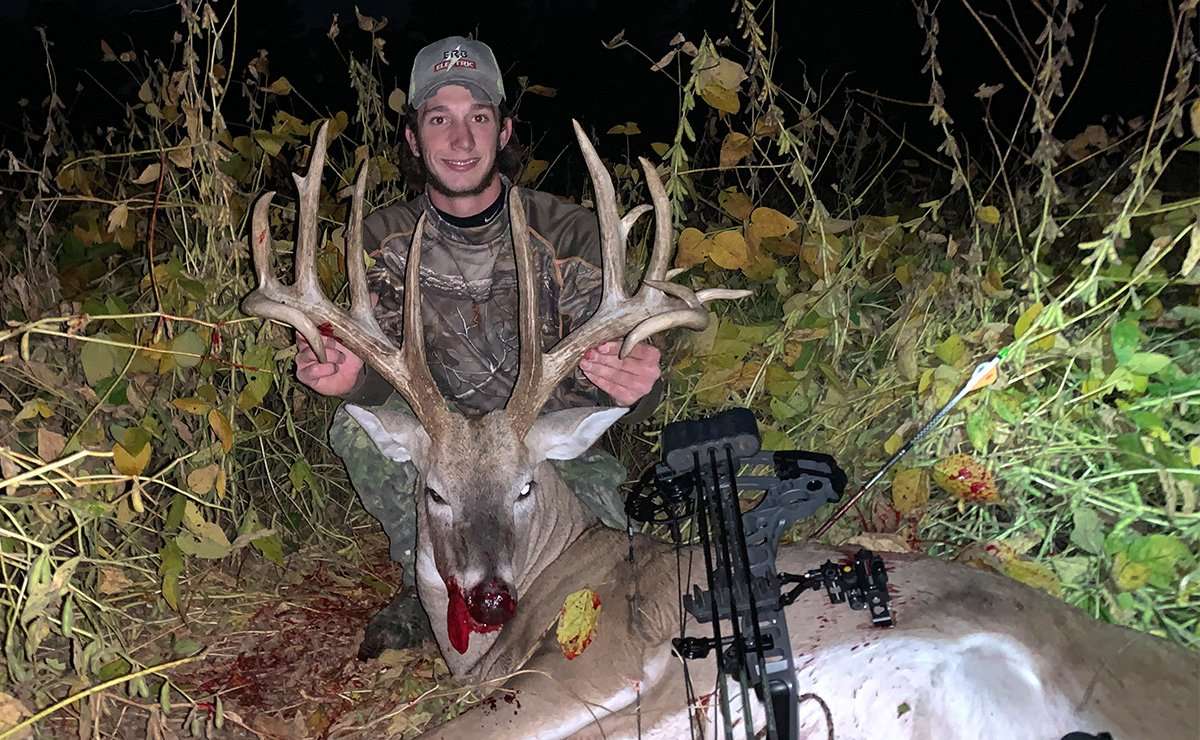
458, 140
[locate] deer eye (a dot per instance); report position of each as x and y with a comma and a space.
526, 490
434, 497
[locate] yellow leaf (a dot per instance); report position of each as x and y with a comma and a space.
910, 490
128, 463
577, 622
1034, 574
903, 274
721, 98
1194, 454
892, 444
925, 381
220, 427
1129, 575
989, 215
629, 128
692, 249
1026, 320
396, 100
768, 222
533, 170
730, 250
734, 149
659, 148
192, 405
280, 86
966, 479
735, 203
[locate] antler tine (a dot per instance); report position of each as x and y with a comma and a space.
660, 255
423, 394
656, 306
356, 270
612, 228
303, 304
265, 301
529, 364
307, 232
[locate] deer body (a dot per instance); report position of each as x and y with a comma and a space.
502, 542
973, 655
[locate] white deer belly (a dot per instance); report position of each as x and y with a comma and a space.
978, 687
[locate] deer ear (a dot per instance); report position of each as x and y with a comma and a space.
566, 434
398, 435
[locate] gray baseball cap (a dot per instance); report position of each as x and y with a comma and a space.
456, 61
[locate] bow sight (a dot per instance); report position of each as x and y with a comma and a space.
698, 482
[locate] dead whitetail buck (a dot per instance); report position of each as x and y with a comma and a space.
973, 655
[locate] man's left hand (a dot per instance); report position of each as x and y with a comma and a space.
625, 381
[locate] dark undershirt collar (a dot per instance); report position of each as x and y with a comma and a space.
484, 217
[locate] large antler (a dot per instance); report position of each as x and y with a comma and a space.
657, 305
303, 305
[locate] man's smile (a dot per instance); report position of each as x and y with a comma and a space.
461, 165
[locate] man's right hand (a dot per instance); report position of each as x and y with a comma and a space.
337, 376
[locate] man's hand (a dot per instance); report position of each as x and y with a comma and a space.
626, 380
333, 378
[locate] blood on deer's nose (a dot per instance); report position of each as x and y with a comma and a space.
491, 602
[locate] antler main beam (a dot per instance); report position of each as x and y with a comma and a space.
657, 305
303, 305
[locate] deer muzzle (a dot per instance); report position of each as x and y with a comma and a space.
492, 602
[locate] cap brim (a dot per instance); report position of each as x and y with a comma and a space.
474, 87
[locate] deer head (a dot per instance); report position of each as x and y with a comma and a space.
479, 506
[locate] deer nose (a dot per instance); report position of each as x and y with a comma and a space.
492, 603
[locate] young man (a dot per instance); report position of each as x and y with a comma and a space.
458, 135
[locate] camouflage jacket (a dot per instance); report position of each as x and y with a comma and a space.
469, 297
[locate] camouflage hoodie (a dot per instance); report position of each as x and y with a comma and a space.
469, 297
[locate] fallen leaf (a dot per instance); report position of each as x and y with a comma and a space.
966, 479
220, 426
50, 444
910, 489
577, 622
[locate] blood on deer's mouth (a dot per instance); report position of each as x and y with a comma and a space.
459, 622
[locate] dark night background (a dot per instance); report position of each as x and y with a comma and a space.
876, 45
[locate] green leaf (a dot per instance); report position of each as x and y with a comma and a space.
951, 350
979, 427
204, 540
1125, 340
191, 343
170, 567
1163, 555
1148, 363
1088, 533
99, 361
270, 548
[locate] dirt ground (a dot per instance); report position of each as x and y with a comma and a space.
279, 649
